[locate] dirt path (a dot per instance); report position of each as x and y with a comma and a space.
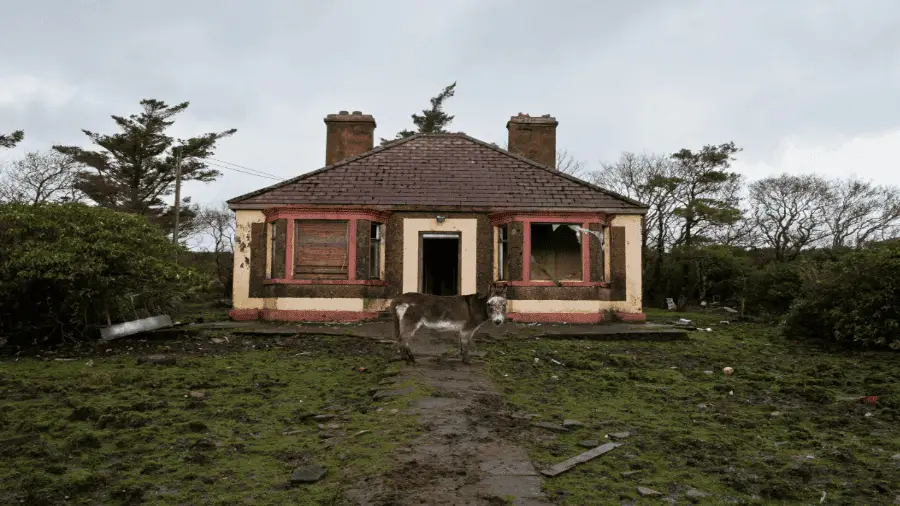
462, 458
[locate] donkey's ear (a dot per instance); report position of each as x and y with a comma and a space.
498, 289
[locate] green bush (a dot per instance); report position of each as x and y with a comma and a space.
773, 288
854, 299
66, 269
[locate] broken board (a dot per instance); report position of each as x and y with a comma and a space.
580, 459
135, 327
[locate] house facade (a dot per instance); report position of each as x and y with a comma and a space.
445, 214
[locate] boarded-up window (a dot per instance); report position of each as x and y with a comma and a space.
321, 249
555, 252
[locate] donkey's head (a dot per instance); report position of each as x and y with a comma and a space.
496, 304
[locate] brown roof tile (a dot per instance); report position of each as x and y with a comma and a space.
438, 170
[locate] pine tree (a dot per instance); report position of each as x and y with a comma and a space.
10, 141
134, 169
433, 120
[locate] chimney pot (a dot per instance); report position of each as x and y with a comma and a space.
348, 135
533, 137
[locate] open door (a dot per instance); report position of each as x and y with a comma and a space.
439, 263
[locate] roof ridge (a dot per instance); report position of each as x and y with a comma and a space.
553, 170
403, 140
377, 149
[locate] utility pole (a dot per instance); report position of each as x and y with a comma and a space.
177, 198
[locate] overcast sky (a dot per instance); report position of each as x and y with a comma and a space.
801, 85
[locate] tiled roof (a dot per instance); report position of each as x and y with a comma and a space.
439, 170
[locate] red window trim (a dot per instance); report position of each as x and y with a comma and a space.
351, 216
582, 219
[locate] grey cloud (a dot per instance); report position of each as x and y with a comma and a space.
652, 75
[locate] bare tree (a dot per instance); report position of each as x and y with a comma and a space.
789, 212
568, 164
647, 178
41, 177
859, 211
218, 225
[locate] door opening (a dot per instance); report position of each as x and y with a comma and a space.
439, 264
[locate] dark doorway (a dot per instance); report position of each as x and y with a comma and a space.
439, 267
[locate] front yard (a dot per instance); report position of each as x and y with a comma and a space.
231, 421
226, 425
787, 427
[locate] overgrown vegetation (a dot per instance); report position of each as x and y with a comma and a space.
786, 427
226, 425
760, 247
67, 269
852, 299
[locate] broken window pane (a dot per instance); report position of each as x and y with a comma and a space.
555, 253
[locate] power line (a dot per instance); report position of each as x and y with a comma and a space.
276, 178
245, 168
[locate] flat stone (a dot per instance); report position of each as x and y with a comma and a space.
572, 423
308, 474
550, 426
197, 395
896, 457
648, 492
626, 474
157, 360
320, 418
381, 394
589, 443
620, 435
693, 493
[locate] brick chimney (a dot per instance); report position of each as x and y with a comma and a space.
348, 135
533, 137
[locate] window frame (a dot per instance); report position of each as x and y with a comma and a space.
292, 214
376, 251
581, 219
502, 257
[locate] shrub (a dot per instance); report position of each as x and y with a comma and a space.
853, 299
773, 288
67, 269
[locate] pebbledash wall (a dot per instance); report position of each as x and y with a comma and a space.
611, 272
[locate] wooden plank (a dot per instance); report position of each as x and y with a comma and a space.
279, 249
257, 259
321, 249
617, 271
363, 244
580, 459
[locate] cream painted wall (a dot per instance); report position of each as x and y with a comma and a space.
239, 297
467, 229
634, 285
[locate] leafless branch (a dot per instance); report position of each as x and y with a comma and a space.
41, 177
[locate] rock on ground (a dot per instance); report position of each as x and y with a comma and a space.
308, 474
157, 360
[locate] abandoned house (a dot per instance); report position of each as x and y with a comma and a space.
444, 214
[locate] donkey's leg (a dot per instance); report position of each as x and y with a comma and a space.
407, 331
465, 339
